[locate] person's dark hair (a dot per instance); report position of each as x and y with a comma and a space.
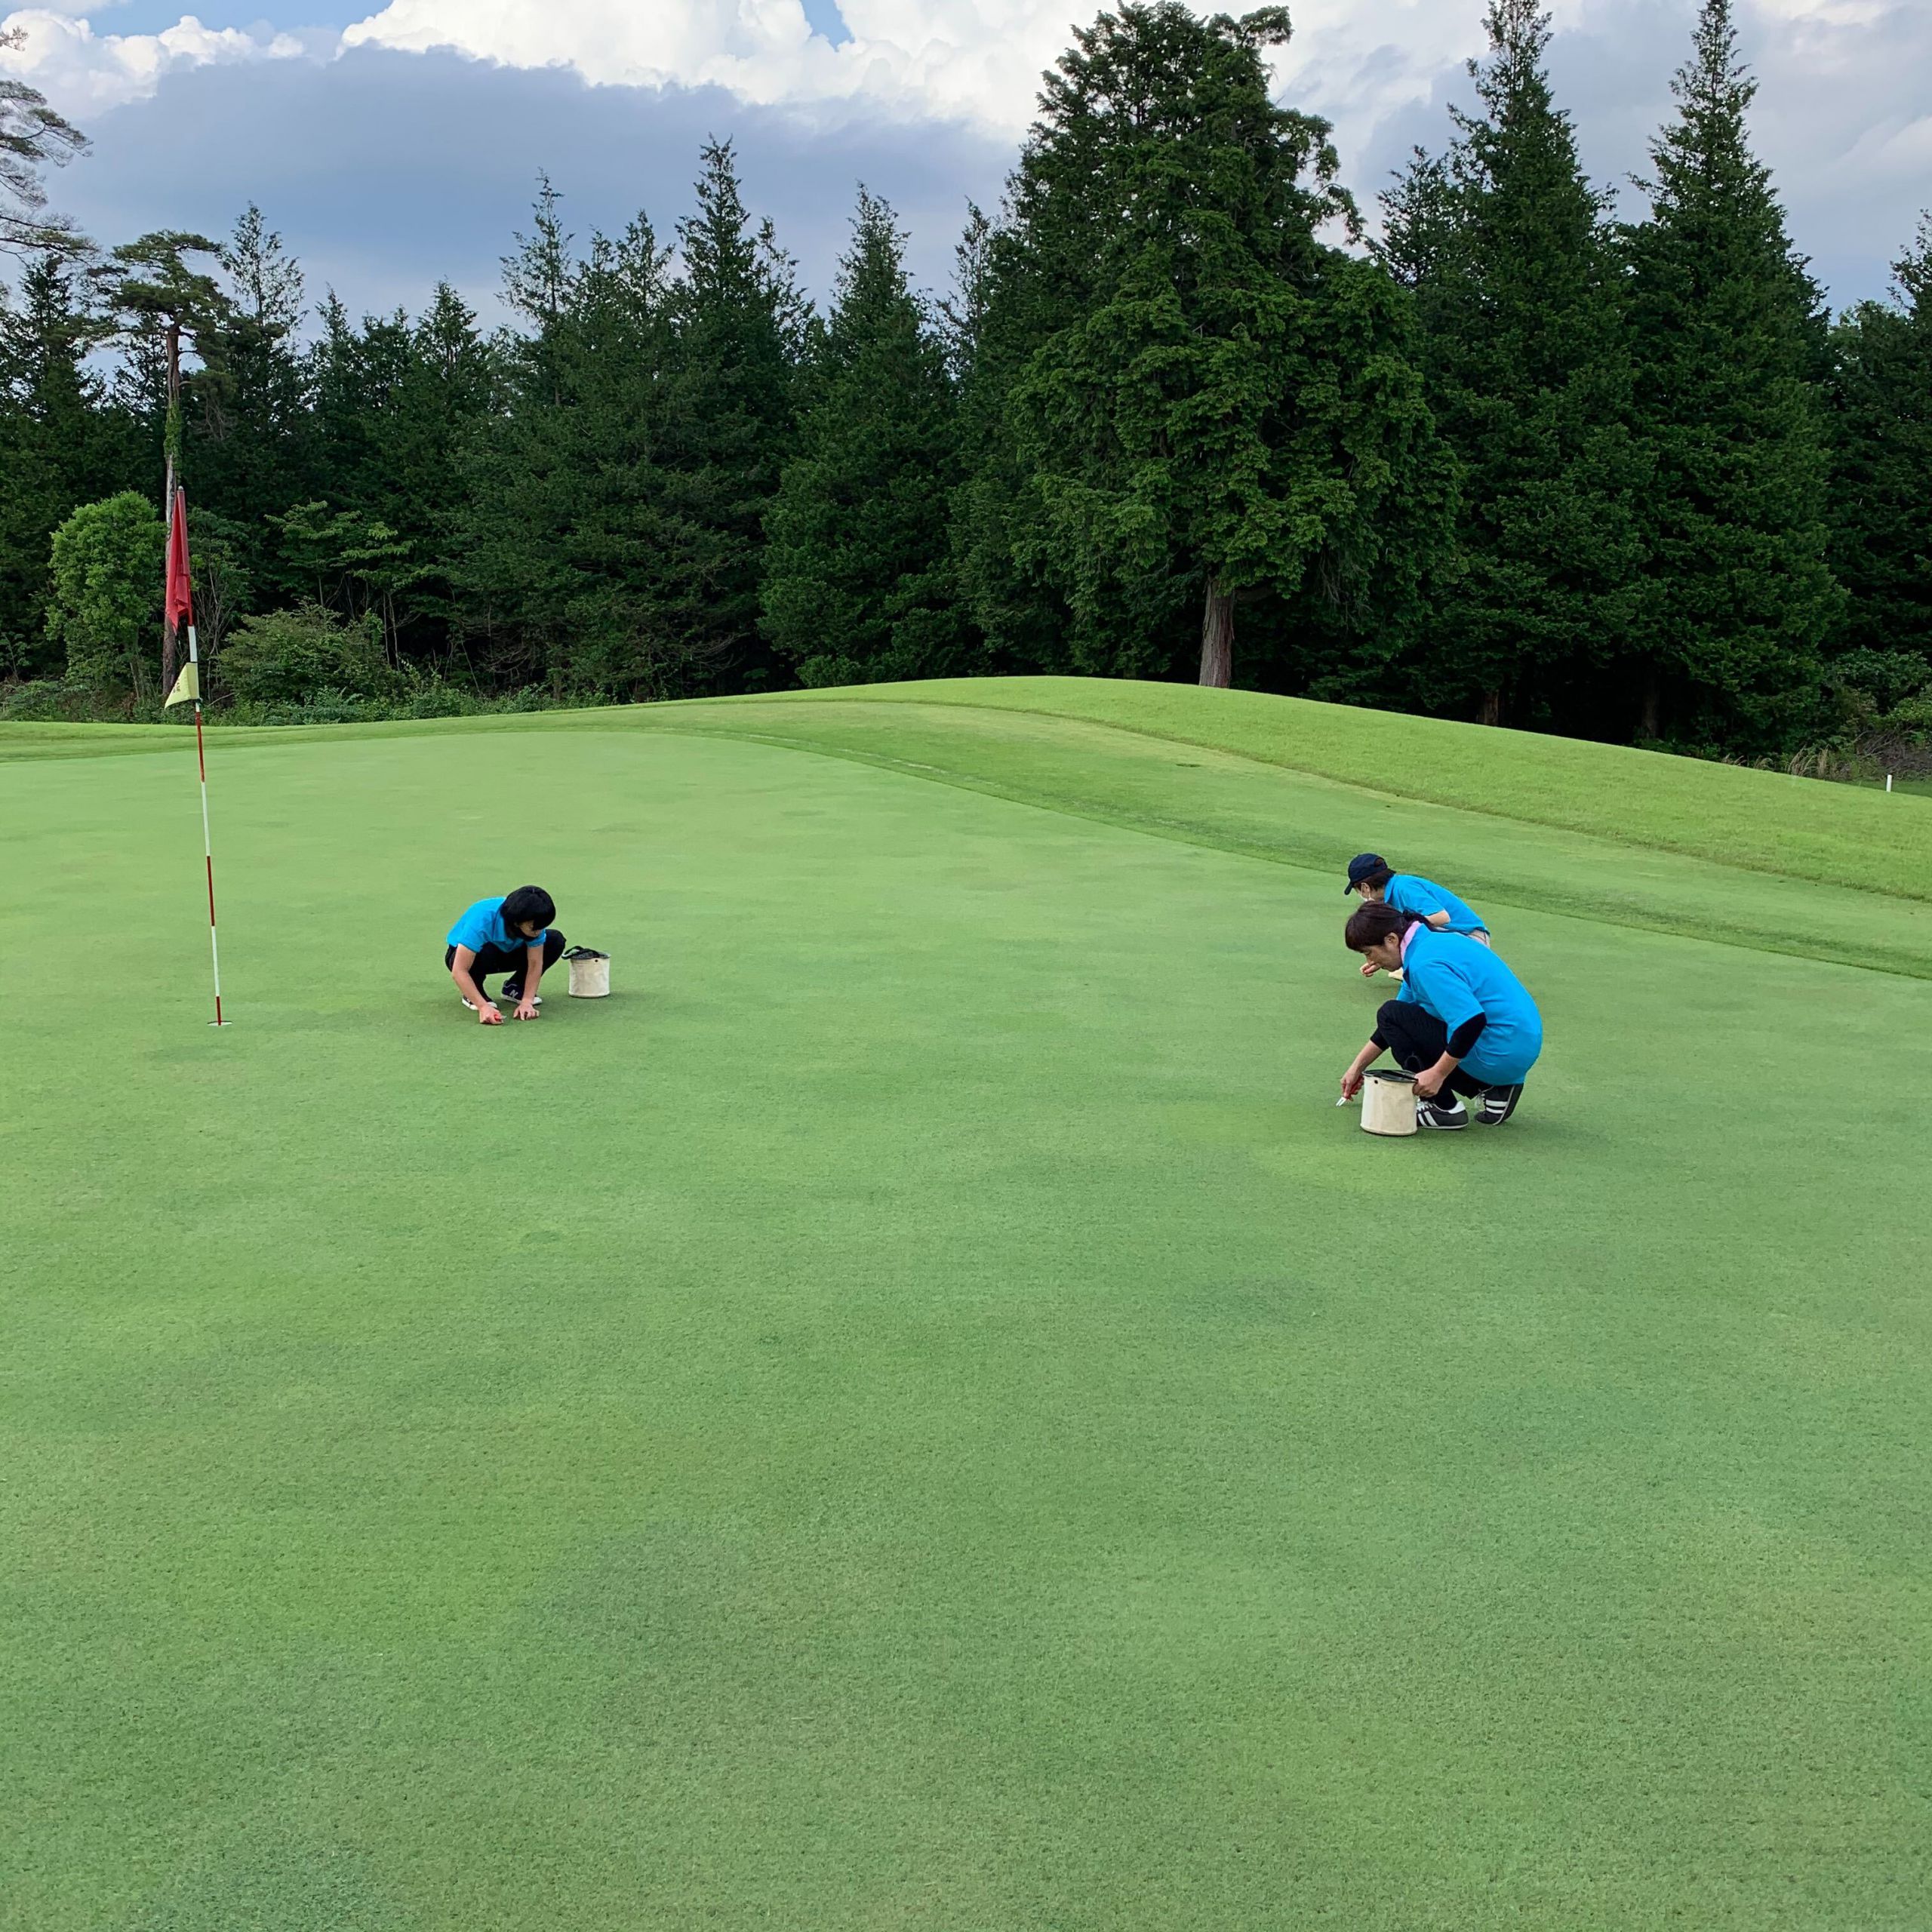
1368, 925
529, 906
1379, 878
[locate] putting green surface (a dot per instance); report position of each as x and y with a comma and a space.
919, 1411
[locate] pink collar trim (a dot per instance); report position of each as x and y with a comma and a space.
1407, 938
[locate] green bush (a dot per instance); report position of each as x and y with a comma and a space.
105, 594
47, 701
307, 658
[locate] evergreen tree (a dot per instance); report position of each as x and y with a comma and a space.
1882, 493
61, 443
1212, 407
32, 138
741, 331
248, 433
1508, 248
1729, 344
566, 567
858, 582
398, 407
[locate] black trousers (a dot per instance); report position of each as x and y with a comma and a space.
1417, 1040
494, 959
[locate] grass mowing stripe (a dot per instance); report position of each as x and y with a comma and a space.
1757, 821
1238, 804
1761, 821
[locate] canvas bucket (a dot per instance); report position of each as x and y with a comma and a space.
1389, 1102
590, 973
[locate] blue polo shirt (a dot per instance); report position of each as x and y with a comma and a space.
1419, 897
1455, 978
482, 924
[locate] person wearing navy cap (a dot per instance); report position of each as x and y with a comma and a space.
1464, 1025
1371, 875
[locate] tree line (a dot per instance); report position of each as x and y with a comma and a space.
1516, 459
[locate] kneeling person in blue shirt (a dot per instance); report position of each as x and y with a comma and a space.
1371, 876
1464, 1024
512, 935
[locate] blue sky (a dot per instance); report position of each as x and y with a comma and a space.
395, 144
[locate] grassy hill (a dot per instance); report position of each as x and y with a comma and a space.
919, 1410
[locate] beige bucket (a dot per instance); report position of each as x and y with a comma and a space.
1389, 1102
590, 973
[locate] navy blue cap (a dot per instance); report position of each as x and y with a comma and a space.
1364, 866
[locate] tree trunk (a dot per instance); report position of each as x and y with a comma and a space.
1651, 724
1217, 637
1492, 707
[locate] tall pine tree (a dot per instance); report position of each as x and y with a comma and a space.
62, 445
1212, 409
741, 331
1508, 247
1881, 544
858, 580
566, 568
1729, 340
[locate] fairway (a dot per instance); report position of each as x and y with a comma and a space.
919, 1411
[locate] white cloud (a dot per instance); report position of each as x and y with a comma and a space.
1841, 116
81, 72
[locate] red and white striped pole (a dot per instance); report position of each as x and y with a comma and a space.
207, 844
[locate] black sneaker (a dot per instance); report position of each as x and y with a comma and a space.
470, 1003
1499, 1103
1444, 1114
512, 992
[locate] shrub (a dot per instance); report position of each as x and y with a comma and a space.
308, 657
105, 594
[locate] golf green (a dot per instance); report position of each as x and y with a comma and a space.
919, 1410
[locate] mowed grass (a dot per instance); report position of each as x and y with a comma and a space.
919, 1411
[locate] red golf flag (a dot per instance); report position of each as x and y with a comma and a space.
180, 595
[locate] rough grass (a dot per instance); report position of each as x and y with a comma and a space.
919, 1411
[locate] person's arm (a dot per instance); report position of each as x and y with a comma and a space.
1462, 1044
1435, 921
460, 972
532, 971
1360, 1065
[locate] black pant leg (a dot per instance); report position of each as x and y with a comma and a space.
1417, 1040
489, 960
1413, 1035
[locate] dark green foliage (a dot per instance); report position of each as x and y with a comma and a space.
740, 331
858, 579
248, 427
104, 598
1204, 403
1508, 248
1882, 499
290, 656
1730, 345
563, 557
62, 444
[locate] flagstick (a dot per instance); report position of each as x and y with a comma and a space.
208, 845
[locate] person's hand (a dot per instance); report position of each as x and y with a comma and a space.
1369, 969
527, 1008
1429, 1085
488, 1015
1351, 1084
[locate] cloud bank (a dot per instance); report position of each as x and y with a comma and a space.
402, 138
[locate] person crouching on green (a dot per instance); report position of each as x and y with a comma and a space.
512, 935
1464, 1024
